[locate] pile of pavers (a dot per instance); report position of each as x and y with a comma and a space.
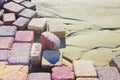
20, 52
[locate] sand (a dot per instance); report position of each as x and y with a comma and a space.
92, 27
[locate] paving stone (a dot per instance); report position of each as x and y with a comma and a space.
50, 41
24, 36
116, 60
108, 73
9, 18
6, 43
3, 55
57, 28
1, 22
36, 53
8, 31
28, 13
13, 7
29, 5
39, 76
86, 79
62, 73
20, 53
21, 23
18, 1
1, 13
50, 59
37, 25
84, 69
14, 72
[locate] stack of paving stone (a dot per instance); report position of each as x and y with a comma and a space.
20, 52
19, 24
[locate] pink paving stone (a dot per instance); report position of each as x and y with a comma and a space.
36, 53
21, 23
13, 7
62, 73
9, 18
20, 54
6, 43
29, 5
50, 41
28, 13
3, 55
24, 36
8, 31
1, 13
39, 76
1, 22
18, 1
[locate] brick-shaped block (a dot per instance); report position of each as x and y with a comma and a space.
18, 1
86, 79
50, 41
21, 23
28, 13
84, 69
36, 53
108, 73
51, 59
1, 13
29, 5
62, 73
8, 31
19, 54
1, 22
3, 55
37, 25
57, 28
14, 72
12, 7
9, 18
39, 76
6, 43
24, 36
116, 60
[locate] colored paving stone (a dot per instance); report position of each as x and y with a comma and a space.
28, 13
24, 36
39, 76
13, 7
37, 25
14, 72
86, 79
29, 5
18, 1
50, 41
8, 18
51, 59
56, 28
62, 73
117, 62
36, 53
6, 43
3, 55
108, 73
1, 22
21, 23
84, 69
20, 53
8, 31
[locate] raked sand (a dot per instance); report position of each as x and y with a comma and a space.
92, 28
